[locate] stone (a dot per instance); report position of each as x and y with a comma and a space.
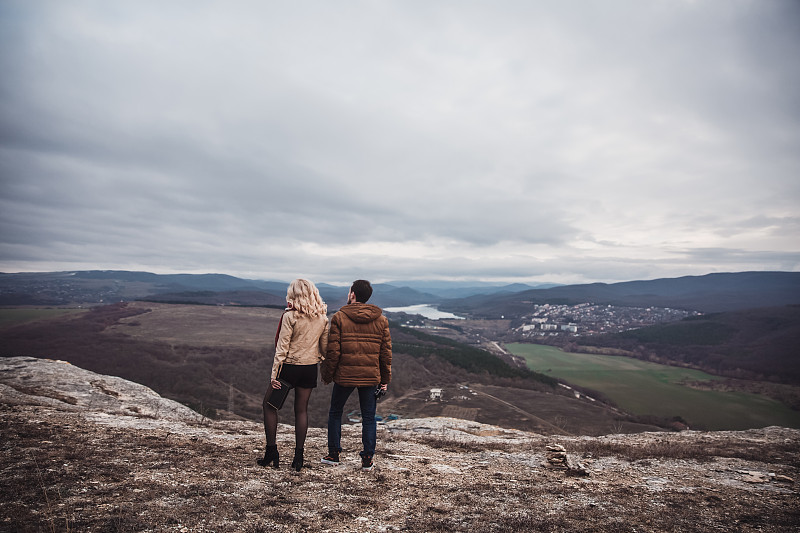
755, 477
579, 470
454, 477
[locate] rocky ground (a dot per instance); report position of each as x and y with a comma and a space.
84, 452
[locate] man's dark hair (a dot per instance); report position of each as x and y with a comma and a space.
362, 289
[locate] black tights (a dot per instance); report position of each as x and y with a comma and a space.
301, 397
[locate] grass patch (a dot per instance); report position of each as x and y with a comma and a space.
645, 388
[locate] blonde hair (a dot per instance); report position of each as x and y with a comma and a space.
305, 298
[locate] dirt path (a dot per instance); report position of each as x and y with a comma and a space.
557, 430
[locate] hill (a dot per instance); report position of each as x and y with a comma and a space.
708, 294
463, 289
241, 298
216, 360
757, 343
85, 452
108, 286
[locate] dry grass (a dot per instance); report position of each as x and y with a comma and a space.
199, 325
690, 449
63, 473
463, 445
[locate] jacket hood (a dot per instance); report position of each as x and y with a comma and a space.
362, 313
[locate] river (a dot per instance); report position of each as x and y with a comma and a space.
428, 311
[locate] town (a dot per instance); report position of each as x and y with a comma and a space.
543, 323
592, 319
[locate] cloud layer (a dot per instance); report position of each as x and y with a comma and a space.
507, 140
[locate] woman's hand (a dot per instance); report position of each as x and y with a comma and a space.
276, 384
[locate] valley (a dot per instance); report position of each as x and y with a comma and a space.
646, 388
736, 369
216, 359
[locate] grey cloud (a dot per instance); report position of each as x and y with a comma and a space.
755, 260
220, 136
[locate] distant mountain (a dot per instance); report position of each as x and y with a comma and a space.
709, 293
383, 295
104, 286
335, 296
209, 282
246, 298
713, 292
464, 289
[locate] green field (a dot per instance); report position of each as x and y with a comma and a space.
644, 388
9, 317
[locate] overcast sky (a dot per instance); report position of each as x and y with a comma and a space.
544, 141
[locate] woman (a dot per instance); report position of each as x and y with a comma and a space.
301, 343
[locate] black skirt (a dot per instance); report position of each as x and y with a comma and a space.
303, 376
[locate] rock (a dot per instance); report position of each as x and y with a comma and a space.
754, 477
578, 470
557, 458
201, 476
58, 384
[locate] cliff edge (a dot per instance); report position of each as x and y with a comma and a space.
85, 452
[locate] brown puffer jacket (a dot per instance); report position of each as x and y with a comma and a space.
359, 347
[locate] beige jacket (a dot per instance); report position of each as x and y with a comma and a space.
303, 340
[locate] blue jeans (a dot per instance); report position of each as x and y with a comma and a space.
366, 399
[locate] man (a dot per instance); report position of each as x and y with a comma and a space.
359, 357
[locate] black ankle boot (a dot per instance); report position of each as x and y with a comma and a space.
270, 456
297, 462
